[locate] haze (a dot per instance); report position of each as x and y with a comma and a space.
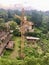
31, 4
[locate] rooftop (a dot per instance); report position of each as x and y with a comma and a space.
35, 38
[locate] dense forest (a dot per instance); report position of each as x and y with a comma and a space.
39, 55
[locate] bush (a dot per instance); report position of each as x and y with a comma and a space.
16, 33
34, 34
44, 31
27, 61
31, 61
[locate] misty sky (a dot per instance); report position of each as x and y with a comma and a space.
34, 4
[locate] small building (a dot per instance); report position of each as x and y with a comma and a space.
31, 41
32, 38
27, 25
10, 45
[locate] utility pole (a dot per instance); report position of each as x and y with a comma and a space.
22, 35
22, 30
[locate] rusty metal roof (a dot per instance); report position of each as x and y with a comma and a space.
10, 45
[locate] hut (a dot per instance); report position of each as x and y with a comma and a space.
32, 38
31, 41
10, 45
29, 26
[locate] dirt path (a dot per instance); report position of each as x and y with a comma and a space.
14, 54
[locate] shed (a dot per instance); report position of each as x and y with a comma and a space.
10, 45
32, 39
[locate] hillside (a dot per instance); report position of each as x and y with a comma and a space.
36, 52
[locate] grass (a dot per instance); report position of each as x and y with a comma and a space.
6, 53
37, 30
13, 53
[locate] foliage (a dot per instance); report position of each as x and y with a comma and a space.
32, 57
27, 61
16, 32
36, 18
18, 21
13, 25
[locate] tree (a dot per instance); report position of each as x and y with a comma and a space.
18, 21
2, 24
13, 25
36, 18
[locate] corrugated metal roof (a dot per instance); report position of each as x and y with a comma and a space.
35, 38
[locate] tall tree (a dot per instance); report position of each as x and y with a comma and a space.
36, 18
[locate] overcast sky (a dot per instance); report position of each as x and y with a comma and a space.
34, 4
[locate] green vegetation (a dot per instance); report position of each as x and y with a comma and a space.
37, 54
